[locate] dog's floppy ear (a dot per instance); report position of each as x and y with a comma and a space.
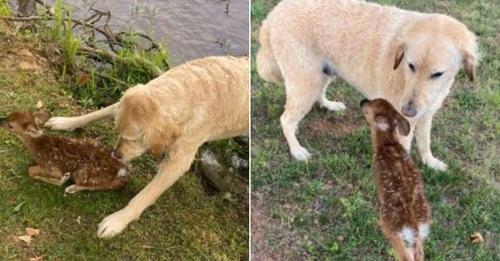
468, 48
403, 125
41, 117
159, 134
400, 53
470, 62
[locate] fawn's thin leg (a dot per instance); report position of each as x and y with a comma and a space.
402, 252
52, 177
114, 184
419, 249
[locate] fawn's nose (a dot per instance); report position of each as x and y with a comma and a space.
116, 154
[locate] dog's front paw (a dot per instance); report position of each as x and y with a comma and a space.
334, 106
300, 153
113, 225
61, 123
433, 163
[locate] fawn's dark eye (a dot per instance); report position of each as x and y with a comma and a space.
436, 75
10, 126
412, 67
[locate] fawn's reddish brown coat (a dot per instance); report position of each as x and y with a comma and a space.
59, 159
404, 211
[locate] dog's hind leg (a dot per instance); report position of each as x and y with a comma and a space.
301, 93
304, 81
180, 157
72, 123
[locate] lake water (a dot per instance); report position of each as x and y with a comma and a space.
190, 28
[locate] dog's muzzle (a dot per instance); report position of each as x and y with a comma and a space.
409, 109
118, 156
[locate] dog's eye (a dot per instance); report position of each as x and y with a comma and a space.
412, 67
436, 75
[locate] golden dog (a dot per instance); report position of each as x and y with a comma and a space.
408, 58
199, 101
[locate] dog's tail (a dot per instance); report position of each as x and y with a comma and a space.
267, 66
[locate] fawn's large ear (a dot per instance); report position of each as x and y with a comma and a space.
403, 125
41, 117
33, 131
382, 123
400, 53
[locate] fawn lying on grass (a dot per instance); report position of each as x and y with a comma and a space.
404, 211
60, 159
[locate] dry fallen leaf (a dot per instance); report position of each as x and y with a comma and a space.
25, 239
476, 238
31, 231
39, 105
79, 220
37, 258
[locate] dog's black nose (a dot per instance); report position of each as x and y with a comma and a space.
409, 109
363, 102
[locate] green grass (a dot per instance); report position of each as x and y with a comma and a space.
326, 209
4, 8
184, 224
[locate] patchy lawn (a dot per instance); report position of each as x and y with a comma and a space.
326, 209
185, 223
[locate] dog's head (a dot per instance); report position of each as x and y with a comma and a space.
382, 116
25, 124
142, 126
429, 53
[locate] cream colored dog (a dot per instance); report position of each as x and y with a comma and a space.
199, 101
408, 58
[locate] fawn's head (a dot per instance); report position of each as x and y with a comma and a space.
25, 124
382, 117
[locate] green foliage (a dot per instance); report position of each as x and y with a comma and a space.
59, 16
4, 8
99, 84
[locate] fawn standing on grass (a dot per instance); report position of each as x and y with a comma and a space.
60, 159
404, 211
